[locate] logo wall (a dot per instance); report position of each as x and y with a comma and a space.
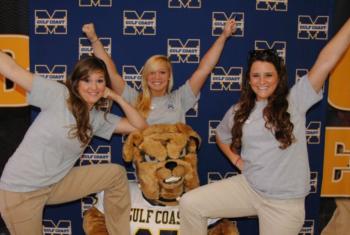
222, 79
185, 4
56, 72
313, 27
132, 76
313, 132
272, 5
139, 24
95, 3
51, 23
62, 227
85, 48
279, 46
212, 125
184, 51
100, 154
308, 228
219, 19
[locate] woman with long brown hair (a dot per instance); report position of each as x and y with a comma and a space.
41, 171
263, 135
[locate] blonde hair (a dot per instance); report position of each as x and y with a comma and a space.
143, 103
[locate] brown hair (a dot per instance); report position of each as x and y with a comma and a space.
79, 108
275, 113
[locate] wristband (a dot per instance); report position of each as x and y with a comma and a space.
92, 42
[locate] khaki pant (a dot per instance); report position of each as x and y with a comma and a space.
339, 224
23, 211
233, 197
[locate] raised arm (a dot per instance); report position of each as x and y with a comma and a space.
329, 56
133, 120
11, 70
118, 83
211, 58
231, 155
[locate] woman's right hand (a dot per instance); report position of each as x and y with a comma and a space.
240, 164
229, 28
89, 30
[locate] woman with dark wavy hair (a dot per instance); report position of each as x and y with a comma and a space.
41, 171
263, 135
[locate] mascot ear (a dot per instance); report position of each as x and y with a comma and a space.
134, 139
192, 136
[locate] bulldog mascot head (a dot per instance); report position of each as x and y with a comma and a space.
165, 160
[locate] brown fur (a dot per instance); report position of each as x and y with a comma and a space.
168, 171
94, 222
224, 227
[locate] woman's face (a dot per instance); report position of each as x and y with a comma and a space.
158, 80
92, 88
263, 79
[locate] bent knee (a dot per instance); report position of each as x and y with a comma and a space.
186, 201
117, 174
117, 170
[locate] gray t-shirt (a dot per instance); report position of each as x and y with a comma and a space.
47, 153
271, 171
168, 109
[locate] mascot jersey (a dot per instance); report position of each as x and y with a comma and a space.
148, 219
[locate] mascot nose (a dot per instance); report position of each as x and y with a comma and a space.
170, 165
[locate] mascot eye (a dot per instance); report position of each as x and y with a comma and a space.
150, 158
183, 153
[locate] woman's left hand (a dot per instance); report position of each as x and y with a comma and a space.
107, 93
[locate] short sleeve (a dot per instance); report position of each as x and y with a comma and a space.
303, 95
104, 126
44, 92
130, 94
187, 97
223, 130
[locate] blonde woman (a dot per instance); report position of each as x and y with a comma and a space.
157, 101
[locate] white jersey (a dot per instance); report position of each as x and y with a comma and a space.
148, 219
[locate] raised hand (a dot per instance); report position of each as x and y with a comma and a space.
90, 32
230, 28
107, 93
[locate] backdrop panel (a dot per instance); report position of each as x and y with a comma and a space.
134, 30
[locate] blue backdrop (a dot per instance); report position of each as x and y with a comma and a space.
132, 31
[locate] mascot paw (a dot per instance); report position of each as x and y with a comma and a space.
224, 227
94, 222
